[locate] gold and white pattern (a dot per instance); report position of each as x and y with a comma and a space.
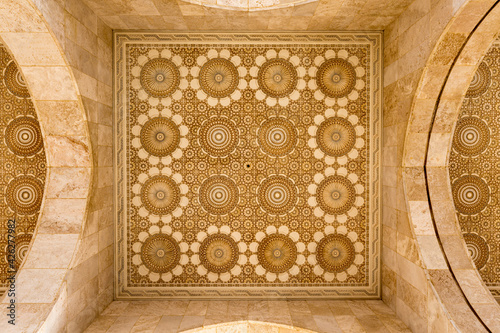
243, 161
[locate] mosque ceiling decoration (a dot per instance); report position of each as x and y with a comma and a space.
22, 166
247, 165
474, 164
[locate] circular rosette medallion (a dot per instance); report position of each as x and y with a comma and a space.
471, 137
160, 136
336, 195
219, 195
219, 253
24, 195
160, 195
336, 77
219, 77
277, 78
160, 77
277, 136
478, 249
471, 194
23, 136
336, 136
335, 253
160, 253
14, 81
277, 194
22, 246
277, 253
218, 136
480, 82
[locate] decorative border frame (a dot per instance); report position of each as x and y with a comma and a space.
371, 39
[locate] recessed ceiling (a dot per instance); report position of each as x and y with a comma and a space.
248, 167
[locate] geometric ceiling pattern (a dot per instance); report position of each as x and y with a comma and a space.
247, 165
23, 168
474, 164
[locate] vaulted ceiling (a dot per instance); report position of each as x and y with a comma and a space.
182, 15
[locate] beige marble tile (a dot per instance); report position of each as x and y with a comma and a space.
34, 49
145, 324
197, 308
168, 324
51, 251
65, 151
50, 83
123, 324
101, 324
34, 280
190, 322
62, 216
67, 183
61, 118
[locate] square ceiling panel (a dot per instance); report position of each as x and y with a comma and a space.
247, 165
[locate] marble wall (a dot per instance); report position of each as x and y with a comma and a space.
408, 44
86, 42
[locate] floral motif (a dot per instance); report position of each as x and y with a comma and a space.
335, 254
219, 253
160, 194
159, 253
159, 136
277, 253
277, 77
338, 77
159, 77
218, 78
336, 136
336, 194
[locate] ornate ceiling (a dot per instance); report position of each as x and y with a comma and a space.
23, 167
474, 165
248, 167
183, 15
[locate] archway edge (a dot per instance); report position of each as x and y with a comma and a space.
63, 122
433, 116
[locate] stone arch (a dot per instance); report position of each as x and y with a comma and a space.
248, 326
63, 122
434, 113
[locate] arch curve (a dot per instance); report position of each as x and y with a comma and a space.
248, 326
433, 118
39, 281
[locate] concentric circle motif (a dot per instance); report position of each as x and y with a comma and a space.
336, 78
160, 253
22, 246
471, 194
335, 253
219, 77
277, 136
480, 82
160, 136
471, 137
277, 194
478, 249
277, 253
160, 77
160, 195
23, 136
336, 136
277, 78
335, 195
24, 195
14, 81
218, 136
219, 253
219, 195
